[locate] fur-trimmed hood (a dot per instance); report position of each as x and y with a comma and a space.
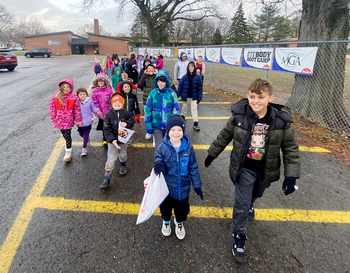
101, 77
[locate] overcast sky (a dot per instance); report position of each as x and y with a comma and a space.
64, 15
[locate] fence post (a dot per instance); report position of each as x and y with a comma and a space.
267, 72
211, 70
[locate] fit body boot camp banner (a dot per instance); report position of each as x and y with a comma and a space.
297, 60
258, 58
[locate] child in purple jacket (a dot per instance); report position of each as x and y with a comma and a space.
87, 107
101, 94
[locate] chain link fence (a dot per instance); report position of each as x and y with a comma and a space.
323, 97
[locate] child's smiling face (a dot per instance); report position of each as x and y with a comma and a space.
117, 105
126, 88
82, 96
65, 88
101, 83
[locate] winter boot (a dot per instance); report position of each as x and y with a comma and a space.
196, 126
238, 249
122, 170
68, 155
107, 181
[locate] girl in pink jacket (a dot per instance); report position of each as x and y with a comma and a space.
101, 94
64, 110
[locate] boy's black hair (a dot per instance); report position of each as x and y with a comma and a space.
150, 65
162, 79
259, 85
197, 67
122, 85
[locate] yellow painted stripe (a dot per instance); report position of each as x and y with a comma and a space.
205, 102
15, 235
196, 147
316, 216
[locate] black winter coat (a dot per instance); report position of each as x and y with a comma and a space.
280, 138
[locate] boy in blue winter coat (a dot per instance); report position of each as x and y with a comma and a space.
175, 158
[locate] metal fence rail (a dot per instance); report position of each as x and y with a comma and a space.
323, 97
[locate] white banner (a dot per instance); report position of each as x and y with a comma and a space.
142, 50
231, 56
168, 53
258, 58
163, 52
199, 52
189, 53
298, 60
212, 55
124, 134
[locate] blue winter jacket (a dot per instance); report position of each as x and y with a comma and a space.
197, 90
180, 168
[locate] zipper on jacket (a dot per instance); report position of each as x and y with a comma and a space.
127, 102
178, 175
266, 149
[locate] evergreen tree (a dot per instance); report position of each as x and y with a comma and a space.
240, 31
217, 37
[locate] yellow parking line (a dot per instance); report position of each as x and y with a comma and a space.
15, 235
196, 147
317, 216
205, 102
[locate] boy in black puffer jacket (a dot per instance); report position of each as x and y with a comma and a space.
110, 129
259, 130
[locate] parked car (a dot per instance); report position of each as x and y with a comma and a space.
43, 52
8, 60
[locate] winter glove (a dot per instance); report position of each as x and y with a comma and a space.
79, 123
149, 132
208, 161
288, 185
199, 192
198, 101
159, 167
137, 118
99, 114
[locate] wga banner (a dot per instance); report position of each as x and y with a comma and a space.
298, 60
189, 53
212, 55
199, 52
231, 56
258, 58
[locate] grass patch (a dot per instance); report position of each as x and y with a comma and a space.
18, 53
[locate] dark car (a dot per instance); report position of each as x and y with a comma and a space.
8, 59
43, 52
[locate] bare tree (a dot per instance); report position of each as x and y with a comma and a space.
6, 19
200, 32
179, 31
157, 15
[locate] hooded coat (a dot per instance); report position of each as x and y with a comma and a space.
64, 115
139, 62
184, 86
132, 72
161, 104
280, 138
101, 96
116, 79
112, 119
131, 103
180, 168
147, 82
87, 108
180, 67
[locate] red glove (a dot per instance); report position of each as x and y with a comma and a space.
99, 114
79, 123
137, 118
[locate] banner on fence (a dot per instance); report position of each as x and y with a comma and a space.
163, 52
189, 53
168, 53
258, 58
231, 56
212, 55
199, 52
298, 60
142, 50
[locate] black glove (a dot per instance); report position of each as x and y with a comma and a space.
199, 192
159, 167
198, 101
288, 185
208, 161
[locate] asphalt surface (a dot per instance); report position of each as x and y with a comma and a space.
63, 240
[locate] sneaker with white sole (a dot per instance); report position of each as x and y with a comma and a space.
83, 152
238, 249
179, 230
148, 136
166, 229
251, 213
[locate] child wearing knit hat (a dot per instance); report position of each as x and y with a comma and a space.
116, 149
175, 158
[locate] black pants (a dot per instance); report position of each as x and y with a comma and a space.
100, 128
67, 135
181, 209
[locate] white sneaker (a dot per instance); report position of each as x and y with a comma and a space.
179, 230
166, 229
154, 142
148, 136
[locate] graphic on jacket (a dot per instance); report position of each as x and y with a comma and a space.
257, 143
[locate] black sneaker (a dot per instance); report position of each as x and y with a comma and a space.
196, 126
122, 170
238, 249
251, 213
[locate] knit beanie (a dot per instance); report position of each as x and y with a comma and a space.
175, 120
117, 97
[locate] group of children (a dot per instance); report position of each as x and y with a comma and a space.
259, 130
